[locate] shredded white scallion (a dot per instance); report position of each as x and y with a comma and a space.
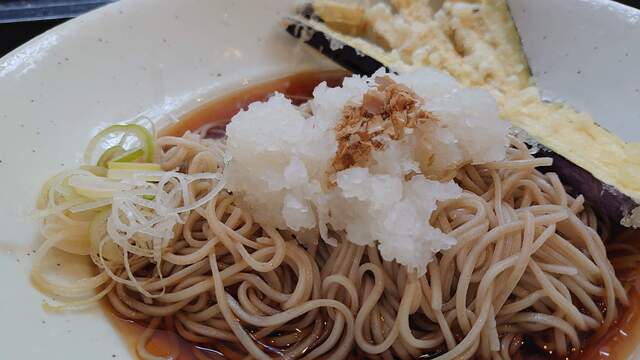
144, 227
90, 205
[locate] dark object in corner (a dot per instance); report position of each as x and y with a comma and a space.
15, 34
22, 20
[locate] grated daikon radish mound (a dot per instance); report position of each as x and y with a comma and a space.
371, 159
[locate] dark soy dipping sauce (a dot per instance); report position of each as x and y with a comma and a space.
297, 87
623, 337
617, 343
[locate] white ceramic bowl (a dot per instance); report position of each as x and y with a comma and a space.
160, 58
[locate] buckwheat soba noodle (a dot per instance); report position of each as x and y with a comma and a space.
180, 242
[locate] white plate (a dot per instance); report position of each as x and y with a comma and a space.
127, 59
132, 58
586, 52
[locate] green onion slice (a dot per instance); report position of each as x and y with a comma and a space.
123, 143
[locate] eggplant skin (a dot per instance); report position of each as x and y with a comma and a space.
603, 198
344, 55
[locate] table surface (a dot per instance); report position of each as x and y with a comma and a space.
21, 20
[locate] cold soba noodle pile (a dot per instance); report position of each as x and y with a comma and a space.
393, 216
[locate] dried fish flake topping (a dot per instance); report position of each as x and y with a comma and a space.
387, 113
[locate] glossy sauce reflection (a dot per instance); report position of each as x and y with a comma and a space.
297, 87
623, 338
617, 343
